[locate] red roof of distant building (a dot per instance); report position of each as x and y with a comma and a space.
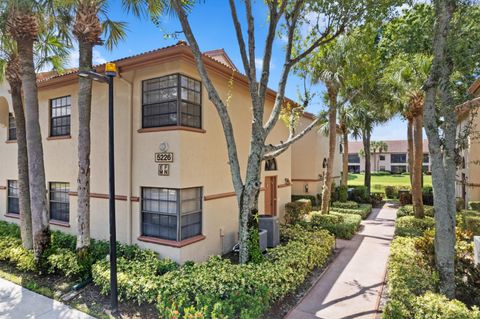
394, 146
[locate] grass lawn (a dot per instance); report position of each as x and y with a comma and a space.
380, 181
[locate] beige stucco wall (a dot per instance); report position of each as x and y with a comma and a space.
472, 161
200, 160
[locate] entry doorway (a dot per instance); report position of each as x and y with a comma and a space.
271, 195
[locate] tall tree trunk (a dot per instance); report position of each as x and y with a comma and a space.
22, 162
84, 116
332, 141
345, 158
417, 167
36, 168
410, 149
442, 155
368, 165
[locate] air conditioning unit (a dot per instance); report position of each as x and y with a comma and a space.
272, 225
263, 234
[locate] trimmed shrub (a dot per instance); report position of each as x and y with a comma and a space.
459, 203
313, 199
348, 205
405, 197
341, 225
376, 197
294, 211
360, 194
411, 226
342, 193
433, 306
470, 220
391, 192
474, 206
407, 210
363, 210
427, 195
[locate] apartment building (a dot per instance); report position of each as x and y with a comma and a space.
468, 171
173, 187
394, 159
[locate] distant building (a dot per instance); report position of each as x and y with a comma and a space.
394, 159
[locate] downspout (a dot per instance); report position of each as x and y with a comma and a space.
129, 157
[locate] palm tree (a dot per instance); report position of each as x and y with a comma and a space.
405, 76
49, 52
346, 120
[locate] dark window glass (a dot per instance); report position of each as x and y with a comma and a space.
60, 110
13, 205
162, 105
382, 157
12, 127
398, 158
426, 158
171, 214
59, 201
271, 165
353, 158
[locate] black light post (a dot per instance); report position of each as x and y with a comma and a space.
110, 73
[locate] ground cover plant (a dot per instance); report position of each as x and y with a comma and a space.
352, 208
342, 225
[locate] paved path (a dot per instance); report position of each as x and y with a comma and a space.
17, 302
351, 286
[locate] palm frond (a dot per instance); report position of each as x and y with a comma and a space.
114, 32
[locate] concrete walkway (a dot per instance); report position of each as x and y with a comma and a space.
352, 284
17, 302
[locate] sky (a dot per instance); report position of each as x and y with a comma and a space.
213, 28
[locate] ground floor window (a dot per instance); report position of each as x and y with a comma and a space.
13, 205
172, 214
398, 169
354, 169
59, 201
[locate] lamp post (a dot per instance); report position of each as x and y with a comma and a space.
110, 73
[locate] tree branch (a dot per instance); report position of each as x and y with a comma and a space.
215, 98
241, 41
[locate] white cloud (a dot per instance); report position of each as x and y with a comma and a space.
98, 58
259, 64
74, 56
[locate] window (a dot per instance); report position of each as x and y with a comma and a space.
13, 205
59, 202
162, 105
12, 127
382, 157
271, 165
60, 110
398, 169
426, 158
353, 158
171, 213
382, 168
398, 158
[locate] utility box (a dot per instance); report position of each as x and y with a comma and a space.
476, 249
272, 225
263, 233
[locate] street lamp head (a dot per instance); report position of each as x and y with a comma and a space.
93, 76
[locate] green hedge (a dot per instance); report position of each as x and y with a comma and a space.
412, 283
295, 211
391, 192
363, 210
348, 205
407, 210
312, 198
411, 226
341, 225
474, 206
470, 220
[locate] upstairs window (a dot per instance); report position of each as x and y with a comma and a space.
13, 204
382, 157
60, 111
271, 165
398, 158
172, 214
354, 158
59, 202
12, 127
172, 100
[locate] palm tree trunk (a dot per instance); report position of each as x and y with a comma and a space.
84, 147
417, 167
22, 162
332, 140
36, 168
345, 158
410, 149
368, 165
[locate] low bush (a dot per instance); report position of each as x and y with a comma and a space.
391, 192
459, 204
411, 226
469, 220
348, 205
427, 195
405, 197
433, 306
363, 210
220, 289
342, 193
474, 206
313, 199
407, 210
360, 194
294, 211
341, 225
376, 197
